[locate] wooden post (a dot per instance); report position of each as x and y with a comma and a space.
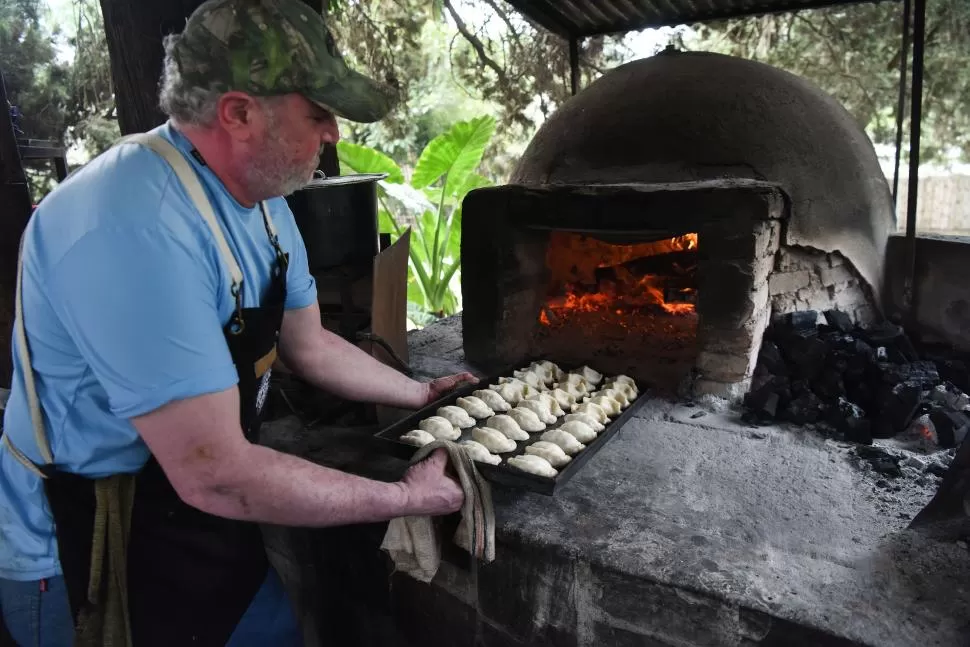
910, 292
901, 102
574, 65
134, 30
15, 208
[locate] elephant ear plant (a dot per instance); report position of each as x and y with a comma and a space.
444, 174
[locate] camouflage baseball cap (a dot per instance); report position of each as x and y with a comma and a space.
274, 47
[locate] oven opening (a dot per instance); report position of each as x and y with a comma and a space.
634, 301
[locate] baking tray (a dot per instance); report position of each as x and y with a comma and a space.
387, 440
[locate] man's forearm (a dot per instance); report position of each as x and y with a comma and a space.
337, 366
266, 486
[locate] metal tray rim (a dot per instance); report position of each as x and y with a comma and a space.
500, 474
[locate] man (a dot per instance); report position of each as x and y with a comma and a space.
157, 285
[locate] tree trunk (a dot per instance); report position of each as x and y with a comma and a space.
329, 163
15, 211
135, 29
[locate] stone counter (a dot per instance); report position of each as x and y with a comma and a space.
681, 531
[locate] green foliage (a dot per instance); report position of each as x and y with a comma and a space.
91, 123
513, 71
70, 102
853, 52
35, 82
431, 203
355, 156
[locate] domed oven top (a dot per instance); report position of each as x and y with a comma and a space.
694, 116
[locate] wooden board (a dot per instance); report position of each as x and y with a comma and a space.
389, 308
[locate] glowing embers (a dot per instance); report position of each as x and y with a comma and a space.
592, 276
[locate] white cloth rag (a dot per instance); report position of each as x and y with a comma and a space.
413, 542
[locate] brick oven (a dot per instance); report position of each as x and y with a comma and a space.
665, 214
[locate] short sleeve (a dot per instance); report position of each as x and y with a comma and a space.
142, 308
301, 288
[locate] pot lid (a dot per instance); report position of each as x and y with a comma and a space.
340, 180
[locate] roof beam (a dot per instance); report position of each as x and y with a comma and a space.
539, 13
582, 18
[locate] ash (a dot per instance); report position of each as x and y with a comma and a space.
898, 475
895, 475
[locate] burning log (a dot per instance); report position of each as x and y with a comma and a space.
675, 263
591, 276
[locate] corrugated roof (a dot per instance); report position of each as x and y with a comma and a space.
578, 18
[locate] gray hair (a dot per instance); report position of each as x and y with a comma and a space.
186, 104
191, 105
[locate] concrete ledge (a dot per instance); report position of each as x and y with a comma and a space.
698, 534
681, 535
684, 531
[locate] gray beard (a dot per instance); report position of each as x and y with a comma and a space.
272, 176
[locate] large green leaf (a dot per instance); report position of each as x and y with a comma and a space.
420, 314
448, 303
422, 280
386, 224
416, 251
442, 289
454, 154
472, 182
362, 159
454, 236
404, 198
427, 225
416, 295
433, 194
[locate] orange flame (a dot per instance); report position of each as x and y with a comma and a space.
626, 292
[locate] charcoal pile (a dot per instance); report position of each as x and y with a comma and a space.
862, 383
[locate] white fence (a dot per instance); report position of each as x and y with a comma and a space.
943, 204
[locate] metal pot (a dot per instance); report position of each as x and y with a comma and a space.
337, 217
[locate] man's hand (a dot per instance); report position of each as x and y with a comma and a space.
435, 389
430, 491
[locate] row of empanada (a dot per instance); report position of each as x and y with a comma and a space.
588, 418
529, 389
529, 401
450, 420
555, 448
500, 436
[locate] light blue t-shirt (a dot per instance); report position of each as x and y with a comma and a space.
125, 298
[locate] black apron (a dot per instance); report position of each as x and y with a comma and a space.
191, 575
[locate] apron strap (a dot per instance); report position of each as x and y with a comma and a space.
190, 180
30, 383
268, 221
103, 618
22, 458
193, 186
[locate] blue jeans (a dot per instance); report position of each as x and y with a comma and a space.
36, 613
39, 616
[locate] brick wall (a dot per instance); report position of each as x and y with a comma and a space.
733, 305
808, 279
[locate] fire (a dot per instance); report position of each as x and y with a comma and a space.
685, 242
594, 276
679, 308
